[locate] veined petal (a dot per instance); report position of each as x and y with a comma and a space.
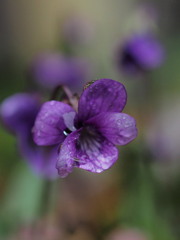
88, 150
41, 159
67, 155
50, 124
118, 128
98, 156
104, 95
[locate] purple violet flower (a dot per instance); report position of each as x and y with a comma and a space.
89, 136
53, 69
142, 52
18, 114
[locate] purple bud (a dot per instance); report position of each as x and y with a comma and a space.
140, 53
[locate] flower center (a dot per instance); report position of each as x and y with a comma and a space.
89, 140
67, 132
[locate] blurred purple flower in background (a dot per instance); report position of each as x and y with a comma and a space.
18, 114
140, 53
52, 69
19, 111
88, 137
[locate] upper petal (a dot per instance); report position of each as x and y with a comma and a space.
50, 124
118, 128
104, 95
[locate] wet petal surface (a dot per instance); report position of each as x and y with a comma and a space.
104, 95
67, 155
50, 124
88, 150
118, 128
99, 160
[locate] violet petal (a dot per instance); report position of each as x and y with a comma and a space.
104, 95
86, 150
19, 111
147, 50
50, 69
96, 154
41, 159
118, 128
49, 124
67, 155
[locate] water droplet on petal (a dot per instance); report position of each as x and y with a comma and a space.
119, 122
110, 89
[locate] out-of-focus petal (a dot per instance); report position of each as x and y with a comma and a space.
52, 69
41, 159
49, 69
118, 128
79, 72
147, 50
141, 52
19, 111
104, 95
49, 124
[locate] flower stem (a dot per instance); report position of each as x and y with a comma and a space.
64, 94
73, 99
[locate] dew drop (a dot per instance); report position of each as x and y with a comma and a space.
65, 133
119, 122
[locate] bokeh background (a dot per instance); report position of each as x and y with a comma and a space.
139, 197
